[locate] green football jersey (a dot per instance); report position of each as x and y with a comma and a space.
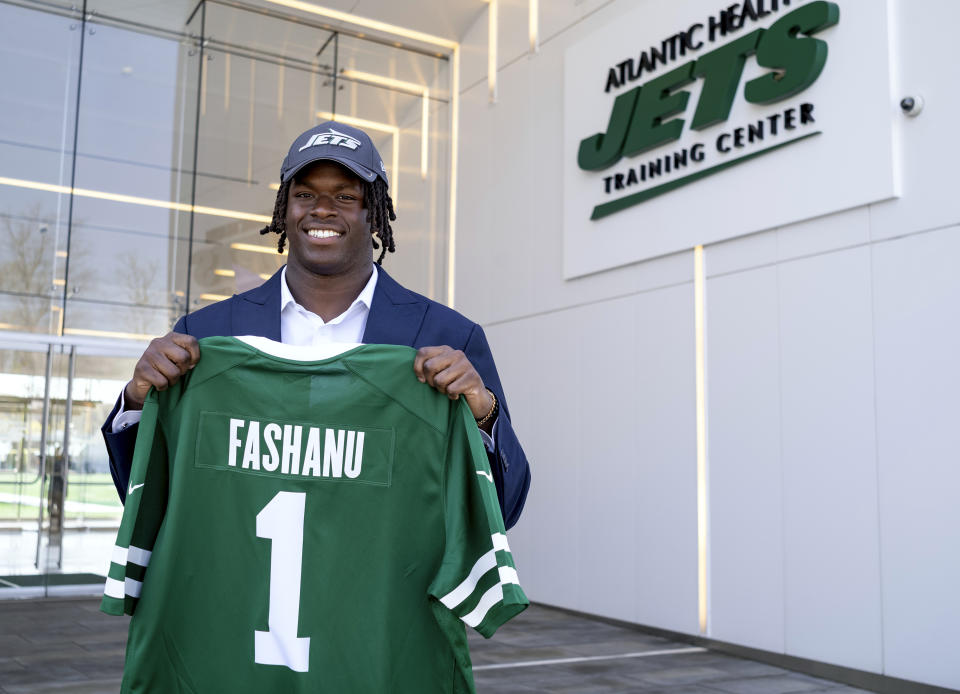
305, 524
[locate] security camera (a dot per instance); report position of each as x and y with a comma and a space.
911, 105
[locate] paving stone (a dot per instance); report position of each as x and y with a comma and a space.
601, 685
39, 675
105, 686
518, 655
682, 675
101, 642
779, 684
10, 665
100, 668
734, 667
541, 676
58, 653
507, 688
624, 645
11, 645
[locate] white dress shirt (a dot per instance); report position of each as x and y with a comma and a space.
298, 326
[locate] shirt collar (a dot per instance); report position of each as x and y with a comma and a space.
365, 297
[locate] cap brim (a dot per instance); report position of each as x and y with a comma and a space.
363, 172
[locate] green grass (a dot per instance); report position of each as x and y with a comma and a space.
8, 512
30, 580
79, 489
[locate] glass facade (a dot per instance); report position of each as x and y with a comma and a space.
140, 148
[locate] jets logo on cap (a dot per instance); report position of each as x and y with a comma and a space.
332, 137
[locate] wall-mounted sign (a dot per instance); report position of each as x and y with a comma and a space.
688, 123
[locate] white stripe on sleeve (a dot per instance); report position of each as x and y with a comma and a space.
508, 574
113, 589
119, 555
463, 591
140, 557
132, 587
489, 599
483, 565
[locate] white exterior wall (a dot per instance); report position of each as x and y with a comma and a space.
831, 381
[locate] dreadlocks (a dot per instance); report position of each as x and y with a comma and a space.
376, 200
380, 213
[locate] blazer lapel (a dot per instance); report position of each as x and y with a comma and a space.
257, 312
395, 314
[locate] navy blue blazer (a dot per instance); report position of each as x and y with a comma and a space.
397, 317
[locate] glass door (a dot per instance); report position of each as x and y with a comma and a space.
59, 510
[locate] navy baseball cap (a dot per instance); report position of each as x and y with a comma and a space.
337, 142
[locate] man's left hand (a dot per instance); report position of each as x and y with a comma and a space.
450, 372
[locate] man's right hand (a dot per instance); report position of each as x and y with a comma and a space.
162, 364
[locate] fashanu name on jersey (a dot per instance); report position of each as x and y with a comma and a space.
294, 449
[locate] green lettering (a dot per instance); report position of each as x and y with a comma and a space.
654, 103
601, 151
721, 70
797, 59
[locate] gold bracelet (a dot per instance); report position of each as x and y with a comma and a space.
493, 410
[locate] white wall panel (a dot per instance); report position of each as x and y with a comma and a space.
610, 524
537, 363
928, 149
742, 253
746, 500
556, 18
833, 232
502, 218
917, 291
829, 461
666, 458
473, 51
610, 456
512, 31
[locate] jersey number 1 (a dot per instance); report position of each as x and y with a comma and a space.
281, 521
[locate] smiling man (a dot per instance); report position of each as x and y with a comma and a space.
333, 209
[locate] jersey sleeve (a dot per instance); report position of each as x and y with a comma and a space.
142, 515
477, 581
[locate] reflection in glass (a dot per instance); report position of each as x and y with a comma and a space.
166, 129
140, 148
39, 53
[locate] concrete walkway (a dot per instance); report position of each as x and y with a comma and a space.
66, 646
